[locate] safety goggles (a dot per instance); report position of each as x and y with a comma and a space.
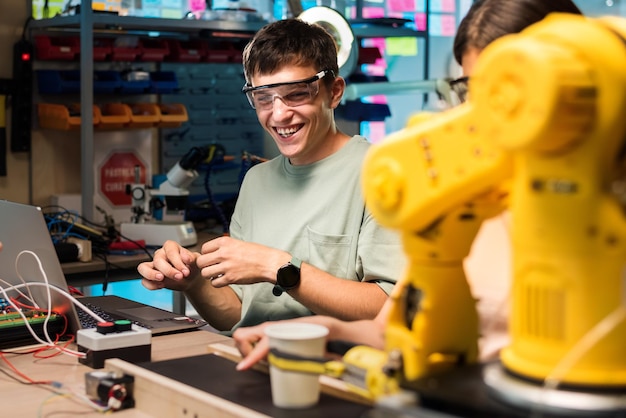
292, 93
459, 87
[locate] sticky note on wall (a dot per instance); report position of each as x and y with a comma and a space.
402, 46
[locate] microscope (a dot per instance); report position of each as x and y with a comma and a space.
169, 200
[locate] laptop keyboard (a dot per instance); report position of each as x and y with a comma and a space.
88, 321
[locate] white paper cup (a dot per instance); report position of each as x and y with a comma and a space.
291, 389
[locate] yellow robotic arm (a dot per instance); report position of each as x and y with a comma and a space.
543, 134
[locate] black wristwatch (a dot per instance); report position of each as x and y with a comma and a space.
287, 277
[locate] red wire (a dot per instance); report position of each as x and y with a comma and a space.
22, 375
23, 305
59, 349
41, 312
75, 291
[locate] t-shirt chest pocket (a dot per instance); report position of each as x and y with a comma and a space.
330, 253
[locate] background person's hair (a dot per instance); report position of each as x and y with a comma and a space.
488, 20
290, 42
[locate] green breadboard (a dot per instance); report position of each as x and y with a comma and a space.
14, 333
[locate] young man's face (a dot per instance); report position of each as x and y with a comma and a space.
298, 116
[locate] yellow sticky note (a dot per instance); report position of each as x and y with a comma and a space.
403, 46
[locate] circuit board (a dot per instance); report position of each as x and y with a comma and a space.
14, 332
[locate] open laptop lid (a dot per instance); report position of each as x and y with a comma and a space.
23, 228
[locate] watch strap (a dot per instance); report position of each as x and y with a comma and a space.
295, 261
278, 289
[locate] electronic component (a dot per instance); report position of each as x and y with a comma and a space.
84, 248
110, 390
15, 333
67, 252
119, 339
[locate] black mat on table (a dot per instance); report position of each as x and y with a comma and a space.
251, 389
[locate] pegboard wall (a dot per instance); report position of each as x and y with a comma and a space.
218, 114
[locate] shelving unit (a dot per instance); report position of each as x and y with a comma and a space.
88, 23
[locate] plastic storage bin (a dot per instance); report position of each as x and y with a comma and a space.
172, 115
144, 115
58, 81
68, 81
126, 48
187, 51
62, 117
106, 81
62, 48
163, 82
134, 82
153, 49
223, 52
102, 49
114, 116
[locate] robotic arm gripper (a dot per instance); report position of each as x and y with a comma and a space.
543, 135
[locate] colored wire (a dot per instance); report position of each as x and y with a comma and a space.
58, 290
22, 375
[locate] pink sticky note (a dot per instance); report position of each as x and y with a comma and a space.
420, 21
197, 5
401, 5
448, 6
373, 12
448, 25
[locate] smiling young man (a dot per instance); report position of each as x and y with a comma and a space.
301, 240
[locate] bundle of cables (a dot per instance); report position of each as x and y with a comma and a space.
64, 224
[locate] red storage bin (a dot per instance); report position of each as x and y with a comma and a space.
153, 49
187, 51
125, 49
102, 49
64, 48
223, 52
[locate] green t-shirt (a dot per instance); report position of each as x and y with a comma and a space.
317, 214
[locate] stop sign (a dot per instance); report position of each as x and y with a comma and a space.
116, 172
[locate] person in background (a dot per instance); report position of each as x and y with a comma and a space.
486, 21
301, 240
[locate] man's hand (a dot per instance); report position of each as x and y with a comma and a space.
172, 267
226, 260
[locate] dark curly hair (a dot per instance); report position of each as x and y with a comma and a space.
290, 42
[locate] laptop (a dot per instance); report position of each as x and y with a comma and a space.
23, 232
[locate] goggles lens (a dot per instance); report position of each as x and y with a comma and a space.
292, 94
459, 87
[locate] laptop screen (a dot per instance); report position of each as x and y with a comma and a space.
28, 255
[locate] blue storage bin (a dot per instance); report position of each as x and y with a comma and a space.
133, 83
68, 81
134, 86
106, 81
163, 82
58, 81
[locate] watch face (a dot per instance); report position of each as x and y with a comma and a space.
288, 276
